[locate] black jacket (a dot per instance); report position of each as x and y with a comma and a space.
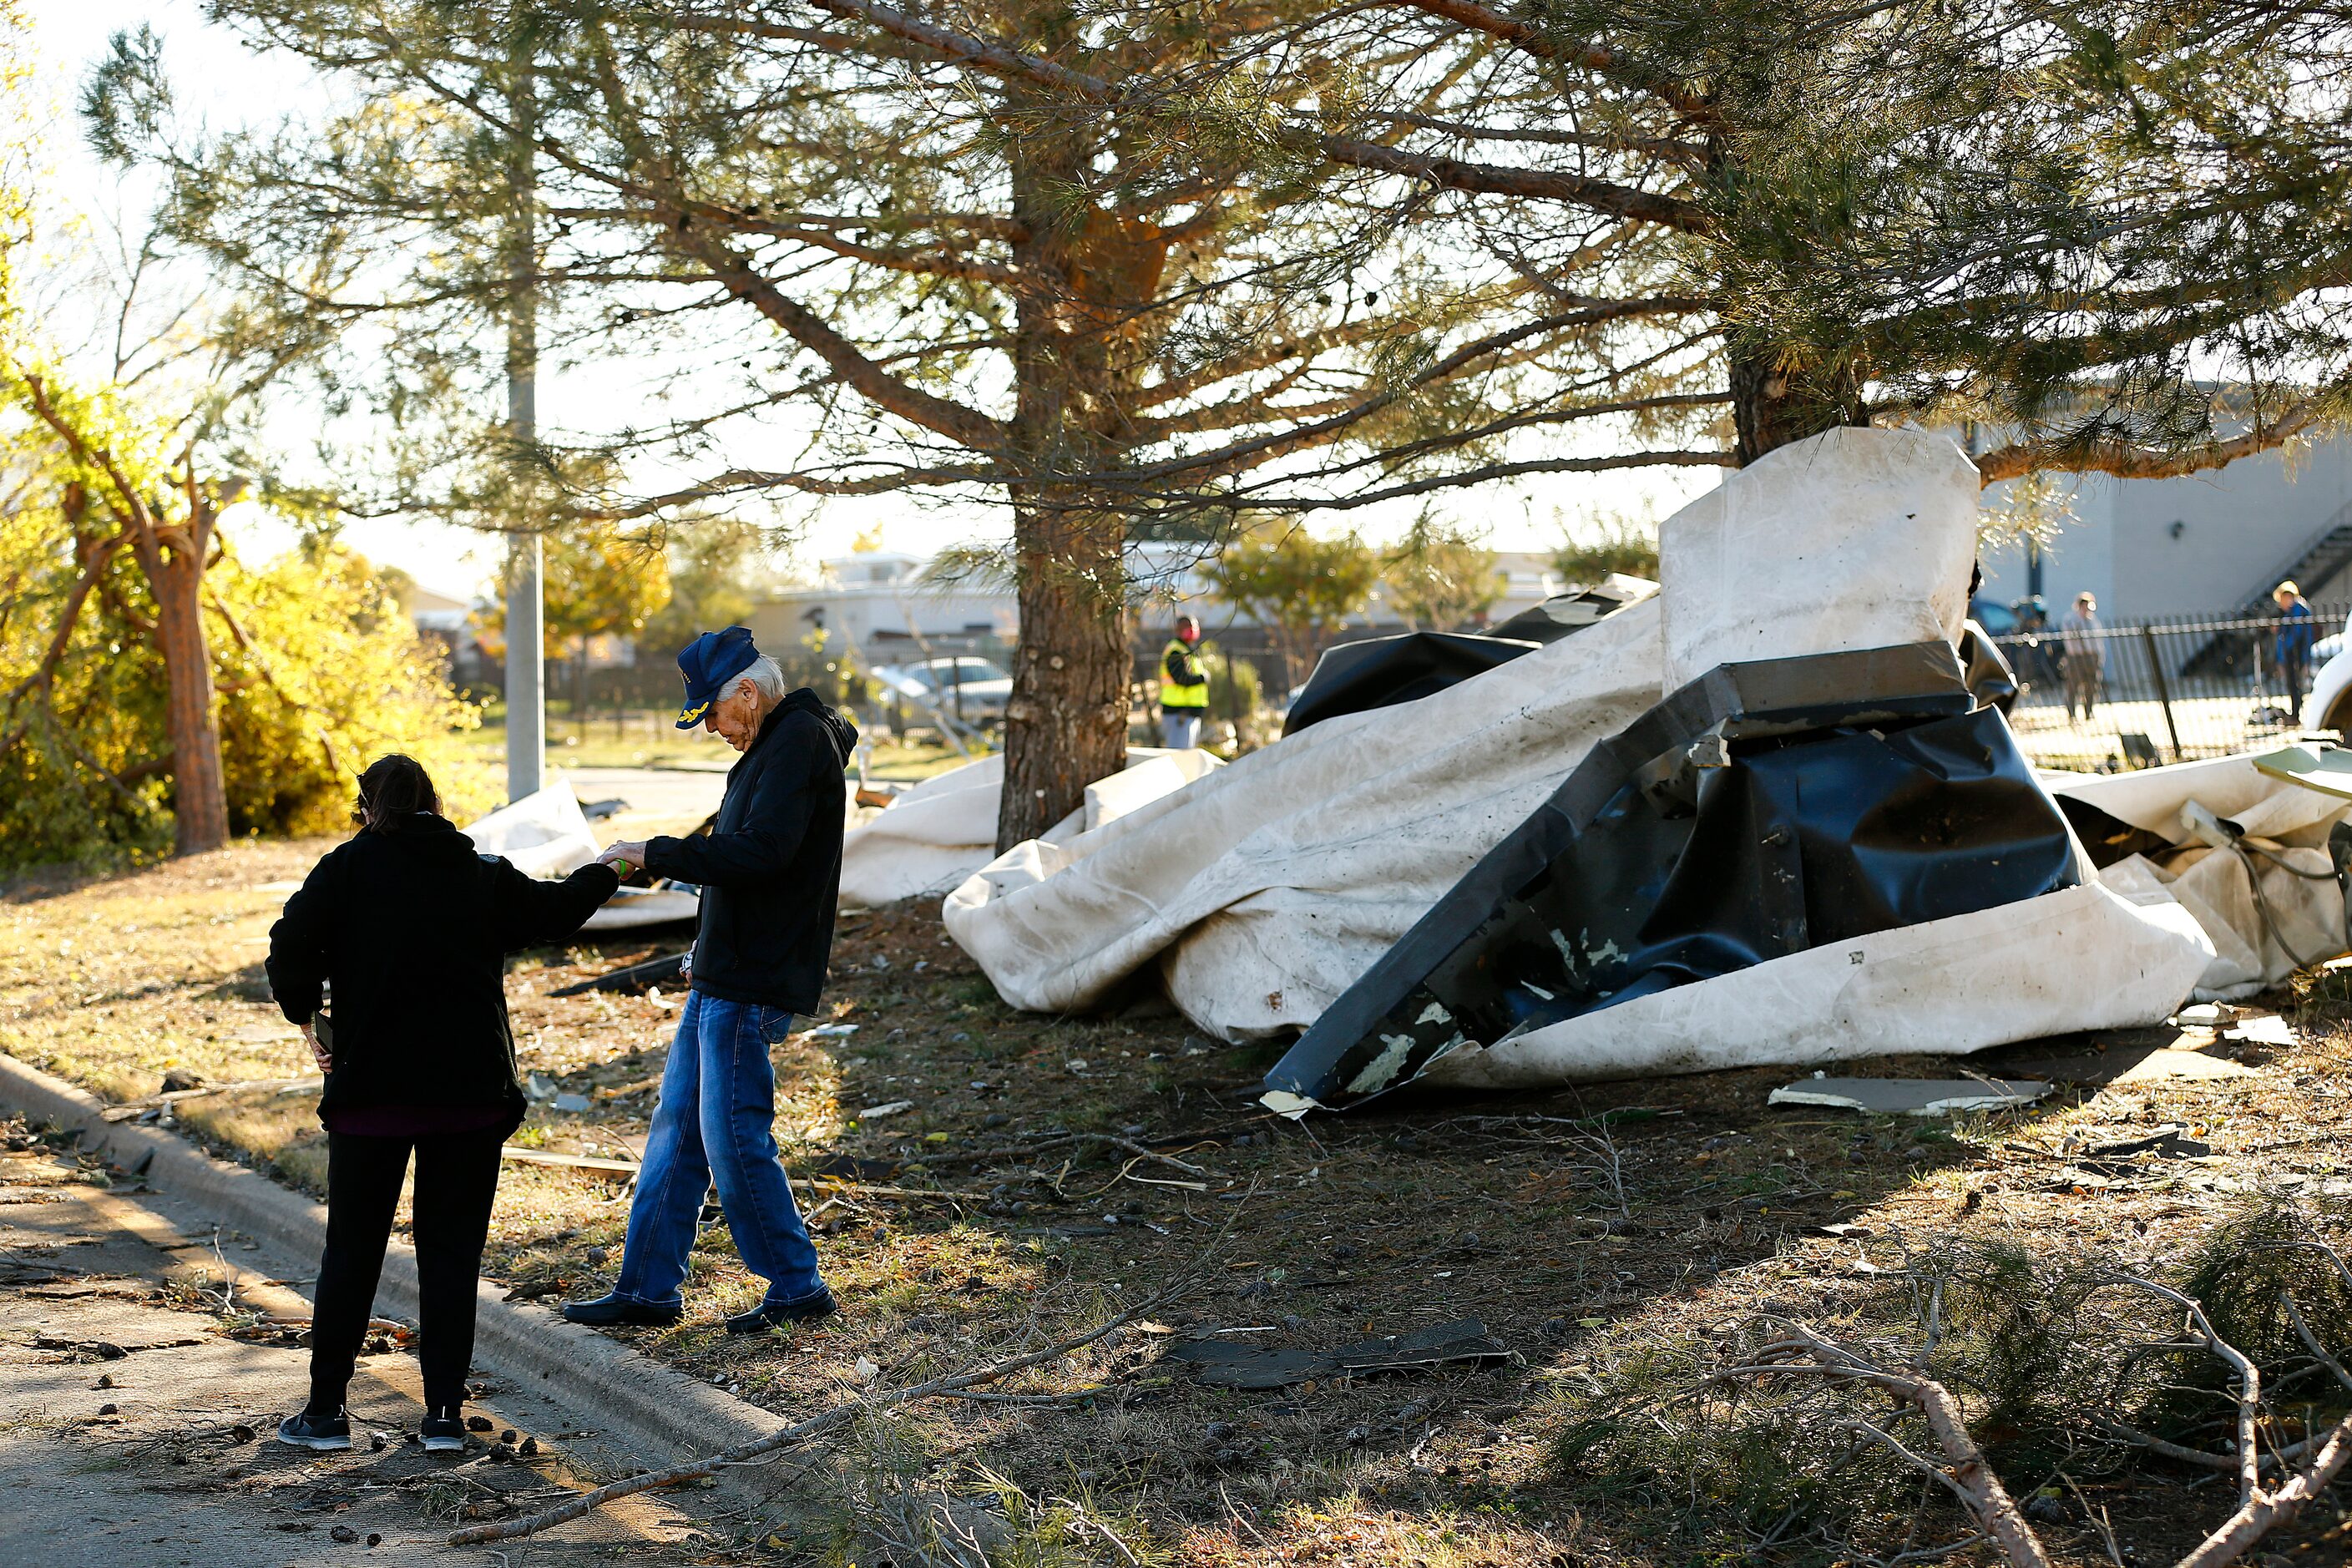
770, 870
411, 929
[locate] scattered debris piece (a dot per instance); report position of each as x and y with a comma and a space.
1912, 1096
180, 1080
598, 810
2168, 1144
1228, 1366
631, 979
830, 1032
570, 1101
2269, 1029
875, 1113
632, 908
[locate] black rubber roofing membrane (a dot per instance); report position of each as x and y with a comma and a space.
1761, 810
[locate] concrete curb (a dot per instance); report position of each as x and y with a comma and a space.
660, 1409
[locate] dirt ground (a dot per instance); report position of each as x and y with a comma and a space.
981, 1181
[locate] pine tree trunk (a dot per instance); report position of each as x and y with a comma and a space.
199, 791
1067, 723
1076, 351
1771, 406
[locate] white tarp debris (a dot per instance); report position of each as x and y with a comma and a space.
1266, 890
545, 834
2299, 915
942, 830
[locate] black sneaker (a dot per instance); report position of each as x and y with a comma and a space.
771, 1314
304, 1430
610, 1312
441, 1431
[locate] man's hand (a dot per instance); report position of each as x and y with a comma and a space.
686, 965
319, 1053
625, 855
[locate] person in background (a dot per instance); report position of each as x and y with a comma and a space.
1183, 686
769, 871
2084, 655
403, 929
2291, 650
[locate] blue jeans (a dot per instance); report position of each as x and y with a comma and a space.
1181, 727
715, 1122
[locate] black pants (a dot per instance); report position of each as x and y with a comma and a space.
456, 1177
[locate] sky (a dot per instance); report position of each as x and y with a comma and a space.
219, 80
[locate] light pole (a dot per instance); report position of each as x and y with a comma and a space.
526, 648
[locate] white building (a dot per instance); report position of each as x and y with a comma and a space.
877, 603
2212, 544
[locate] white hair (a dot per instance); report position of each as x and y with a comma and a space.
766, 674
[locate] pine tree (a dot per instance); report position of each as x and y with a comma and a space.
2112, 232
963, 253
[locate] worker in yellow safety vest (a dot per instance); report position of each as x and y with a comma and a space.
1183, 686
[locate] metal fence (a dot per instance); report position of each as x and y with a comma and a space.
2162, 691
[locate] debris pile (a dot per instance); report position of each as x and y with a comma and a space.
1820, 844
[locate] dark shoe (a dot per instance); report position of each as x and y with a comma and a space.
441, 1431
772, 1314
304, 1430
612, 1312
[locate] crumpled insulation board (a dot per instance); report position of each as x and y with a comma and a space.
1265, 892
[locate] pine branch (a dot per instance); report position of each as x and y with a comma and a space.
1504, 180
2131, 460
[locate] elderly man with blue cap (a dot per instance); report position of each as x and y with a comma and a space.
769, 871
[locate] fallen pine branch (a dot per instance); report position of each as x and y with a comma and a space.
839, 1414
1969, 1476
1058, 1140
819, 1186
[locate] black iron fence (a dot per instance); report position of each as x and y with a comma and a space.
2164, 690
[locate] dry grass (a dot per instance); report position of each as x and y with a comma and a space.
1574, 1224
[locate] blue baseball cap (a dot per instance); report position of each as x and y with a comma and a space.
708, 663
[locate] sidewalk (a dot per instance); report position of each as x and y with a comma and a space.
137, 1409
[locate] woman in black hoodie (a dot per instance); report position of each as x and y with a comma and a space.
403, 932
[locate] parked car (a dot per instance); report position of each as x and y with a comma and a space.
959, 685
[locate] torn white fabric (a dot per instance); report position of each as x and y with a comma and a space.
2081, 958
944, 830
545, 834
2257, 941
1285, 874
1856, 539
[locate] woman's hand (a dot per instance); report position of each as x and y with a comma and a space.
319, 1053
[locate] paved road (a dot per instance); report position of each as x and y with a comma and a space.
136, 1411
661, 800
